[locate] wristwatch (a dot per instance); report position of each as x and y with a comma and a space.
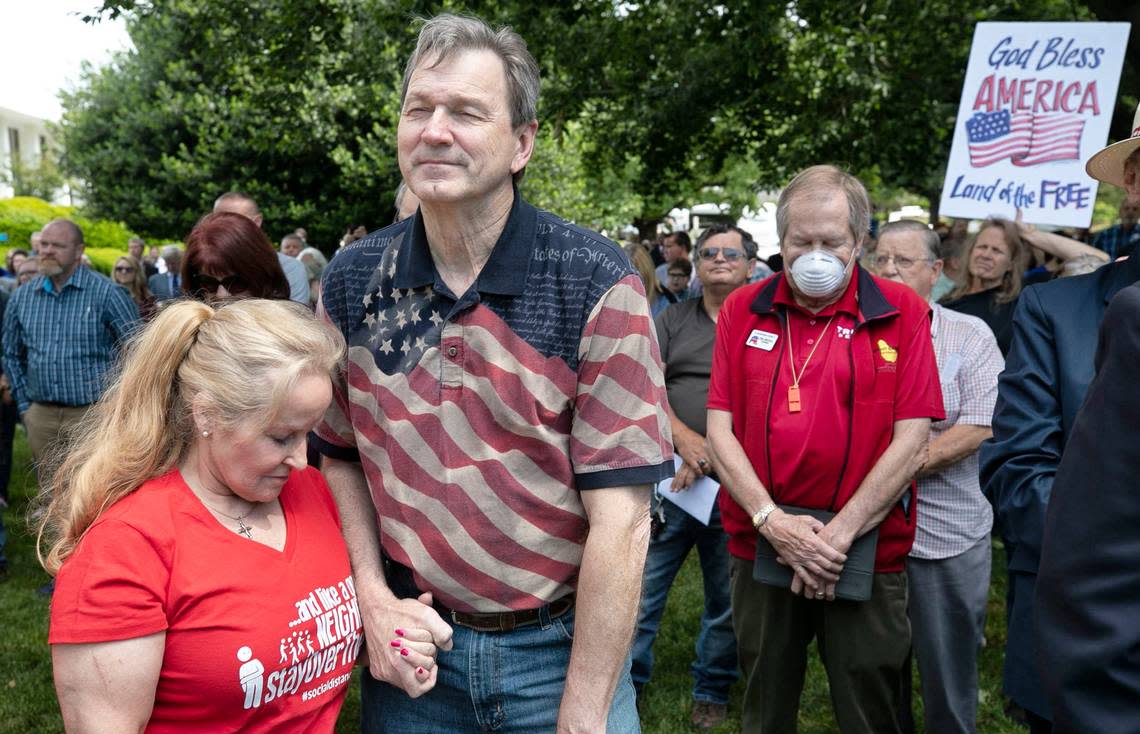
762, 514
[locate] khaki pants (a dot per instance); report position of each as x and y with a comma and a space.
47, 425
863, 646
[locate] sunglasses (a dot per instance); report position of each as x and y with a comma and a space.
210, 284
730, 253
124, 269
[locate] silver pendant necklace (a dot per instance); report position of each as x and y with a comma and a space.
242, 528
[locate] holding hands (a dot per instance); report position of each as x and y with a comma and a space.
405, 636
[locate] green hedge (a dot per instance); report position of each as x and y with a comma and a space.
22, 215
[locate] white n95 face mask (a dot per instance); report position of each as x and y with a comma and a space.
818, 274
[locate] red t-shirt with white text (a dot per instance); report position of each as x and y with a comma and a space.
257, 640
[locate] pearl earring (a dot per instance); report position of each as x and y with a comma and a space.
205, 434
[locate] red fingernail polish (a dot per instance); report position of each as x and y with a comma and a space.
399, 632
421, 671
396, 643
405, 652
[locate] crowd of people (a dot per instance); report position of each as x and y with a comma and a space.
506, 408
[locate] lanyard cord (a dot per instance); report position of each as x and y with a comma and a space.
792, 350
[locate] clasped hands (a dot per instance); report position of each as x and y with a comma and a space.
816, 552
404, 637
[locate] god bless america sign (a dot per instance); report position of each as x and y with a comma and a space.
1036, 104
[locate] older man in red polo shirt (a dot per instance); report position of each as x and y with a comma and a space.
824, 383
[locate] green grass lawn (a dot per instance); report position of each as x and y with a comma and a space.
27, 700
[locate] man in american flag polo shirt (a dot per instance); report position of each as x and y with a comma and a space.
498, 425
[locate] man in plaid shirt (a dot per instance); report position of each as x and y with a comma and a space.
949, 564
1120, 240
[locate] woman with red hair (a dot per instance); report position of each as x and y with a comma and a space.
228, 256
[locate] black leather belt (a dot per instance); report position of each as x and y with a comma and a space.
506, 621
401, 582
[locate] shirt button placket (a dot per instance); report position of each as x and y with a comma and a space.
451, 369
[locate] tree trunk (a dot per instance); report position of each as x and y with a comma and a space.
647, 228
935, 201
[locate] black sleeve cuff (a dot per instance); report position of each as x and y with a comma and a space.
324, 448
652, 474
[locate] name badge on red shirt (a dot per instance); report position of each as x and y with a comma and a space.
762, 340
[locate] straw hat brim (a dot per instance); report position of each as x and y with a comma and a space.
1107, 165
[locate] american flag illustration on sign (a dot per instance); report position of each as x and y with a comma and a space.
1025, 138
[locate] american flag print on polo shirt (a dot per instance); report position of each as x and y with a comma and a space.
479, 421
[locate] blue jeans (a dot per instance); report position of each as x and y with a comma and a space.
503, 682
714, 670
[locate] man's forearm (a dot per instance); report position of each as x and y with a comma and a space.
358, 522
609, 591
732, 465
953, 445
380, 611
888, 478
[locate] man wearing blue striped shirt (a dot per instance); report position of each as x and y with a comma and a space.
62, 332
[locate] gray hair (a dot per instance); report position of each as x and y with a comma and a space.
824, 178
401, 194
169, 250
292, 236
447, 34
314, 261
930, 239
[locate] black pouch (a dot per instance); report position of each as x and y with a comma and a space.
858, 571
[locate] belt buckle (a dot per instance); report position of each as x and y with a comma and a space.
506, 621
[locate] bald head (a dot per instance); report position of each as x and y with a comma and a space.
236, 202
63, 228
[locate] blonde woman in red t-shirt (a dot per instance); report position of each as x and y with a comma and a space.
202, 584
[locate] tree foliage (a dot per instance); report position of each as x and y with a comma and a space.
292, 102
645, 105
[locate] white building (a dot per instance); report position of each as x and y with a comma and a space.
22, 137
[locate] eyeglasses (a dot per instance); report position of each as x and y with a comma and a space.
902, 263
124, 269
730, 253
210, 284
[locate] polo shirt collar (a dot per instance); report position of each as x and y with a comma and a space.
935, 320
872, 303
505, 270
848, 303
862, 297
